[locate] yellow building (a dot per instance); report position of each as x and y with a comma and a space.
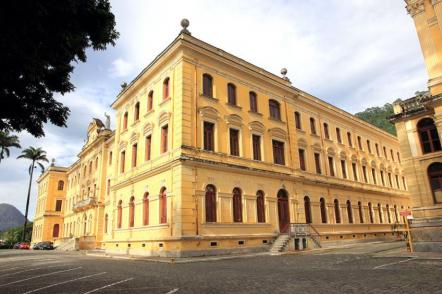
212, 154
418, 122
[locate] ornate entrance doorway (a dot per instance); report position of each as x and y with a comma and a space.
283, 211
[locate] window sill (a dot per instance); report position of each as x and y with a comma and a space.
123, 132
255, 113
149, 112
209, 97
164, 101
315, 135
234, 106
135, 123
276, 120
300, 130
328, 140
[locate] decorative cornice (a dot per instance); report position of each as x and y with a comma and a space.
209, 112
256, 126
415, 7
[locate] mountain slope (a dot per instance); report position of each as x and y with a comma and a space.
10, 217
378, 116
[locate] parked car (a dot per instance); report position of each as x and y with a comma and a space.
21, 245
46, 245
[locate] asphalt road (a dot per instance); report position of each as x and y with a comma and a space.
359, 269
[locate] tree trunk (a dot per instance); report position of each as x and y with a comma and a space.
27, 202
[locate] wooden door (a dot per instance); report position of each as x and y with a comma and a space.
283, 213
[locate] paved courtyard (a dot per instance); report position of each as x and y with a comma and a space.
368, 268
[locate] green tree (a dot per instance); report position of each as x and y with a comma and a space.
7, 141
36, 155
378, 116
41, 41
15, 235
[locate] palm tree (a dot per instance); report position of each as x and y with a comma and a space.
36, 155
7, 141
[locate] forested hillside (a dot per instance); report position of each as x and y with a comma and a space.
378, 116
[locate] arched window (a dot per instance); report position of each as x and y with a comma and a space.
260, 207
370, 212
131, 212
125, 120
60, 185
337, 211
207, 85
237, 205
361, 214
137, 111
166, 89
146, 209
388, 213
298, 120
119, 214
106, 223
312, 126
274, 108
349, 212
56, 231
231, 94
210, 199
435, 177
253, 102
380, 213
163, 206
150, 101
308, 210
323, 211
428, 135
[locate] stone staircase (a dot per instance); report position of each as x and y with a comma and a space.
67, 244
279, 244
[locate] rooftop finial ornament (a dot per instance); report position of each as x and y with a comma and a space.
53, 162
184, 24
284, 73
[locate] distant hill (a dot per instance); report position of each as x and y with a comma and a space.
378, 116
10, 217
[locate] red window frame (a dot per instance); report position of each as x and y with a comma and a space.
237, 205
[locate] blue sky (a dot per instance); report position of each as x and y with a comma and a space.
353, 54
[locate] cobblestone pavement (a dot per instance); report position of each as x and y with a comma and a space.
364, 268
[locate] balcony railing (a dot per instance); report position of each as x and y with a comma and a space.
85, 204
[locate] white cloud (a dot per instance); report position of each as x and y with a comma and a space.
120, 68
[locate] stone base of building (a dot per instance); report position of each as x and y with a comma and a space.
427, 234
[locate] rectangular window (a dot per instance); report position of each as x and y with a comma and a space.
326, 133
331, 166
398, 157
234, 142
391, 153
110, 158
377, 149
209, 137
278, 152
312, 126
373, 173
338, 135
318, 163
298, 120
390, 181
148, 147
355, 171
58, 205
397, 181
301, 159
382, 178
404, 183
385, 152
350, 142
108, 187
344, 169
134, 155
364, 172
253, 102
256, 141
369, 146
359, 143
122, 161
164, 138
